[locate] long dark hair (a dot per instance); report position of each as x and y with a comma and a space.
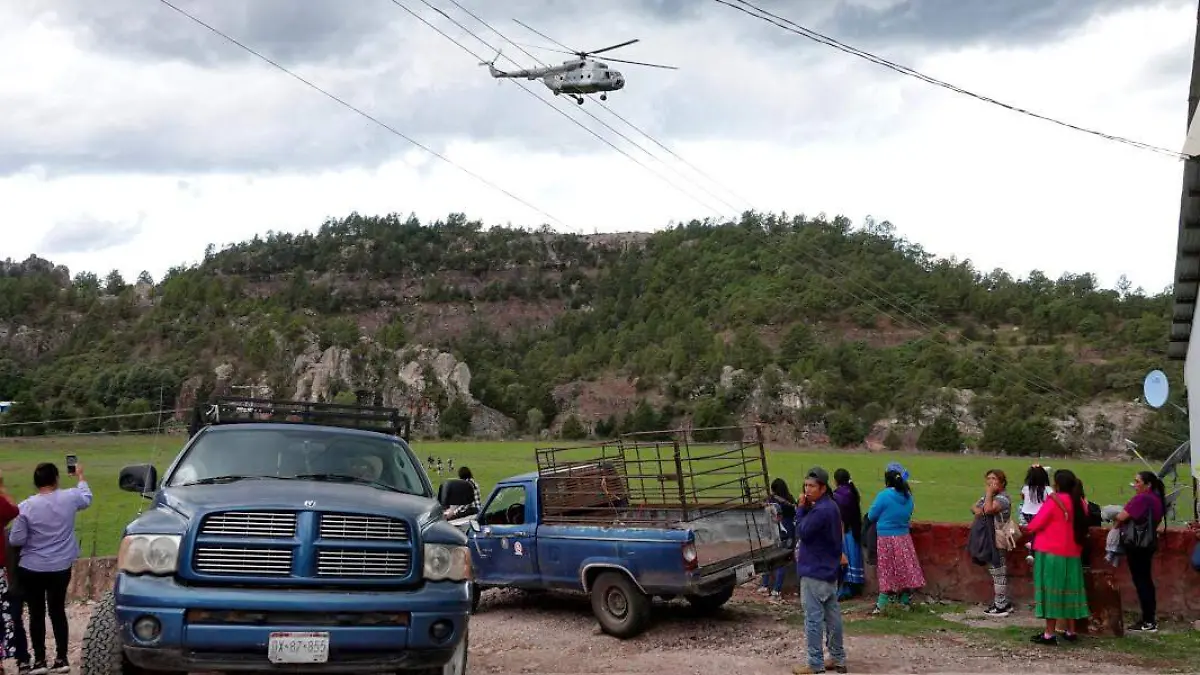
1037, 480
779, 488
894, 479
1066, 483
1156, 486
852, 517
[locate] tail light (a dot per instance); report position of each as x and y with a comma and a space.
690, 560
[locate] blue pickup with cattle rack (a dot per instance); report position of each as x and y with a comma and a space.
286, 536
664, 514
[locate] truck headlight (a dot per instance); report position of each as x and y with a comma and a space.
447, 563
149, 554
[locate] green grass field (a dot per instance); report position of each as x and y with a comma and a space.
945, 486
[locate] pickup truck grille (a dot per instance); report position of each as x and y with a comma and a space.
226, 560
370, 528
268, 524
359, 563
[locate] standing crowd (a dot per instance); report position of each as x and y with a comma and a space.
832, 539
36, 558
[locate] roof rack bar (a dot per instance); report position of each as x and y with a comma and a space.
224, 410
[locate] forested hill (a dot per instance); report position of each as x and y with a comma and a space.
817, 328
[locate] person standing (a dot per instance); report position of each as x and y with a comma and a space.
897, 568
849, 502
818, 563
1059, 591
1146, 509
45, 531
994, 509
8, 647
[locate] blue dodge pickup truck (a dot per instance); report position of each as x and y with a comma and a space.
286, 536
630, 520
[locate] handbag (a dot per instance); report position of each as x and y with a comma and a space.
1141, 535
1007, 533
870, 543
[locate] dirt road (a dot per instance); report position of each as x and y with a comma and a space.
548, 634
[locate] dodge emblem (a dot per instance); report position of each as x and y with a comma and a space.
308, 503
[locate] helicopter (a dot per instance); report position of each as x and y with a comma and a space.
579, 76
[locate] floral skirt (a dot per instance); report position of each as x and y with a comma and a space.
7, 648
897, 566
853, 572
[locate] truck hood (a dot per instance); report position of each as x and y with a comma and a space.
292, 495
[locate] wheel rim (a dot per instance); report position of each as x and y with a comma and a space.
616, 603
457, 662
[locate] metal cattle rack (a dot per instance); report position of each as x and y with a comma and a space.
241, 410
647, 478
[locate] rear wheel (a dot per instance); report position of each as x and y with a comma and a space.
707, 604
621, 607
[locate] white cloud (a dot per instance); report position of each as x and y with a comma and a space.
218, 153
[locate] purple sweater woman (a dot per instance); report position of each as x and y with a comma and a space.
45, 531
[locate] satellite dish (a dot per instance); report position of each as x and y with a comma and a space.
1155, 388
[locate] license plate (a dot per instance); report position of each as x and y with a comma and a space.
744, 573
298, 647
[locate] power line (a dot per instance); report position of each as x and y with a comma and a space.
368, 116
558, 110
612, 112
796, 28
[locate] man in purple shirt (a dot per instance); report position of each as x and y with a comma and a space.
45, 531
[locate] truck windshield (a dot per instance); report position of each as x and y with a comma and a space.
230, 454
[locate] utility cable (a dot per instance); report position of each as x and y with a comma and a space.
574, 121
796, 28
602, 104
368, 116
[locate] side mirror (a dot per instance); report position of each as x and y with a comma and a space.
475, 524
141, 478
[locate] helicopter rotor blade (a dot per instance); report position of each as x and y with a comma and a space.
641, 63
608, 49
530, 28
549, 49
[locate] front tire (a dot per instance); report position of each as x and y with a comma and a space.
457, 665
102, 652
620, 606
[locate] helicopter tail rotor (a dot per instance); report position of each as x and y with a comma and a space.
492, 65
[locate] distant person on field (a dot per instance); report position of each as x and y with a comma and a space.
849, 503
8, 615
784, 505
45, 531
1033, 495
1059, 593
818, 557
993, 510
1146, 509
897, 568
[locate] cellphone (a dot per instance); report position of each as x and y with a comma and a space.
72, 460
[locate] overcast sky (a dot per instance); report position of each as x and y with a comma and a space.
130, 137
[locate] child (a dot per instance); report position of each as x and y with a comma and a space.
1033, 494
784, 506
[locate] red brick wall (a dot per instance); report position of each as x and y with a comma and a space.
950, 574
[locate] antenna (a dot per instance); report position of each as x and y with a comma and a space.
1156, 389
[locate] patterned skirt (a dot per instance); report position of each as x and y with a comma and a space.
1058, 590
897, 566
853, 573
7, 649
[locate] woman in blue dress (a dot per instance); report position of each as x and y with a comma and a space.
850, 505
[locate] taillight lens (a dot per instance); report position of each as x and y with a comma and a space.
689, 556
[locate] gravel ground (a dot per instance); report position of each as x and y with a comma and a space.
542, 633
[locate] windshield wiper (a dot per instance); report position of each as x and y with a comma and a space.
344, 478
212, 480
